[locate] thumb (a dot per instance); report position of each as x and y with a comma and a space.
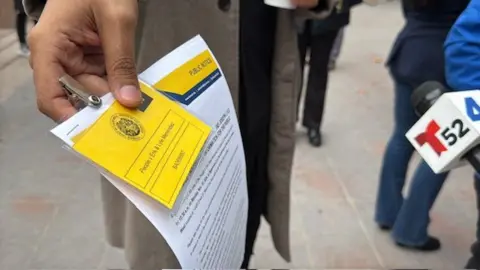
116, 25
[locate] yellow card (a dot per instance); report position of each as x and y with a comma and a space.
152, 148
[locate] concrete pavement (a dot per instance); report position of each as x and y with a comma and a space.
50, 211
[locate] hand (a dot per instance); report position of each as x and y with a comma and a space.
305, 3
92, 41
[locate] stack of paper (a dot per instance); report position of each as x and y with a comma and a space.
179, 157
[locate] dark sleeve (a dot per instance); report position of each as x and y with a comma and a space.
321, 11
348, 4
341, 6
322, 5
34, 7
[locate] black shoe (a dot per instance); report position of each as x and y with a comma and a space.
432, 244
384, 227
472, 263
314, 137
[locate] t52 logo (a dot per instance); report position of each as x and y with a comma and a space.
429, 137
451, 135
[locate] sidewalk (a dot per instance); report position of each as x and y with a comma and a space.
50, 211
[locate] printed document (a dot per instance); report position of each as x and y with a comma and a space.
178, 158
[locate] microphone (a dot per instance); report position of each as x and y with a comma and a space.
426, 95
448, 132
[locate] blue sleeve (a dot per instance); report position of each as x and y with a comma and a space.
462, 50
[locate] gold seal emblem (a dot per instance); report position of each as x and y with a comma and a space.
127, 126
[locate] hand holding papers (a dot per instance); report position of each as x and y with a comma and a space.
178, 159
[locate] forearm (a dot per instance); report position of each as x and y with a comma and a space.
34, 8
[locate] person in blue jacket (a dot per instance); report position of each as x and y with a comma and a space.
417, 56
462, 69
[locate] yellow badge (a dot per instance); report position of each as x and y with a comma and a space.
152, 148
127, 126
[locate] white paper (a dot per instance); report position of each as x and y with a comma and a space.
287, 4
207, 226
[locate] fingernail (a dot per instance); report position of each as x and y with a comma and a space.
129, 92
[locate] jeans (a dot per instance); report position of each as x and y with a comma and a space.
408, 217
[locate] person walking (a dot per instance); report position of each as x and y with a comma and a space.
317, 37
96, 42
21, 20
416, 57
337, 47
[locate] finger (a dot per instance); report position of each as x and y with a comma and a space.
94, 64
95, 85
78, 60
51, 99
63, 109
117, 23
89, 50
85, 37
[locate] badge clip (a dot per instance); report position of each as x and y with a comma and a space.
77, 95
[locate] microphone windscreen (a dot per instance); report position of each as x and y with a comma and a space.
425, 96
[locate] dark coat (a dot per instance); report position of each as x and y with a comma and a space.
339, 18
417, 54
